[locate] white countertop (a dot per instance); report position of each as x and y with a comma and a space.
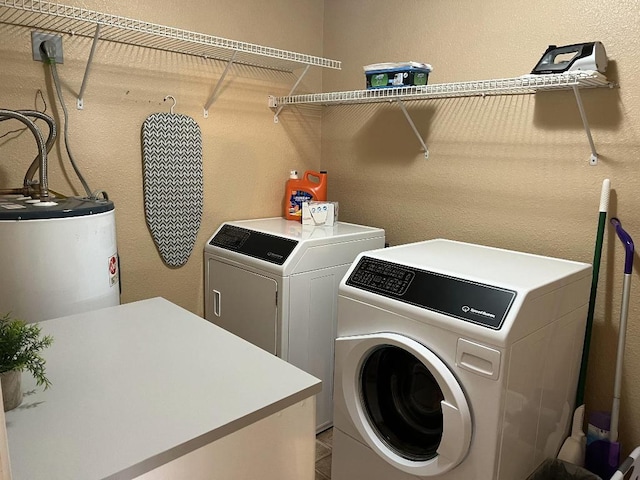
137, 386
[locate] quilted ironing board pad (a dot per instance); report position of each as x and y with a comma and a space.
173, 197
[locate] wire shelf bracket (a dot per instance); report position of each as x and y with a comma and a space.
293, 89
593, 159
212, 98
413, 127
82, 22
85, 78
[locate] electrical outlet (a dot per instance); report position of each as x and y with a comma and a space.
38, 37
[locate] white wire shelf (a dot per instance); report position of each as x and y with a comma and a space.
527, 84
80, 21
505, 86
59, 18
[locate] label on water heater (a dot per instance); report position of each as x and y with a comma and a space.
113, 270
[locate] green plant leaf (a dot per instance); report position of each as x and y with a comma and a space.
20, 347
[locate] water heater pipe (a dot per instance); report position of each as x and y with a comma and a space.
51, 139
42, 149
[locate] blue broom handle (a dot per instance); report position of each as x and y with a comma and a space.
625, 238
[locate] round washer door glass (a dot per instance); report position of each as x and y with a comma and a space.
402, 400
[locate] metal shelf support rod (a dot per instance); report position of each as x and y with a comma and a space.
218, 85
85, 79
593, 159
293, 89
413, 127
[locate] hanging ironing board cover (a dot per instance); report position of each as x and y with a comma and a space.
173, 198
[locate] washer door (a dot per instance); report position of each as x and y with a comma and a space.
405, 403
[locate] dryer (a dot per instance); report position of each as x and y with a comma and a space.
274, 282
455, 361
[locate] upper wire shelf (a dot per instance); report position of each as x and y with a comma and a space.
505, 86
80, 21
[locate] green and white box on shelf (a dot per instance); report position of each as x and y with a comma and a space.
404, 74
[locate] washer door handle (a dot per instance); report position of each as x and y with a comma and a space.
451, 447
217, 300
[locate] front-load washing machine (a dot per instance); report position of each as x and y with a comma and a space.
274, 282
455, 361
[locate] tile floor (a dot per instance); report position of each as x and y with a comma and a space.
324, 441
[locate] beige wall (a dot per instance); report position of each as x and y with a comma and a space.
506, 171
510, 172
246, 156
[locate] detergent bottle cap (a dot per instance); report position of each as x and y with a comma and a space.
293, 174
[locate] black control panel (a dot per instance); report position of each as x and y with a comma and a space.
473, 302
264, 246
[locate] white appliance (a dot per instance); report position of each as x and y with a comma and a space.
58, 258
274, 282
455, 361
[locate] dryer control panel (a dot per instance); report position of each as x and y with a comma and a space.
473, 302
264, 246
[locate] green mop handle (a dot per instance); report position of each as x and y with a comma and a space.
602, 220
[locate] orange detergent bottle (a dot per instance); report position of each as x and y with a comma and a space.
312, 186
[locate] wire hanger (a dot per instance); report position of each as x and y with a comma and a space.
174, 101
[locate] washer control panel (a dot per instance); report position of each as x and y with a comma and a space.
382, 276
264, 246
473, 302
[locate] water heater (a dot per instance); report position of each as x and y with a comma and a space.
57, 257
